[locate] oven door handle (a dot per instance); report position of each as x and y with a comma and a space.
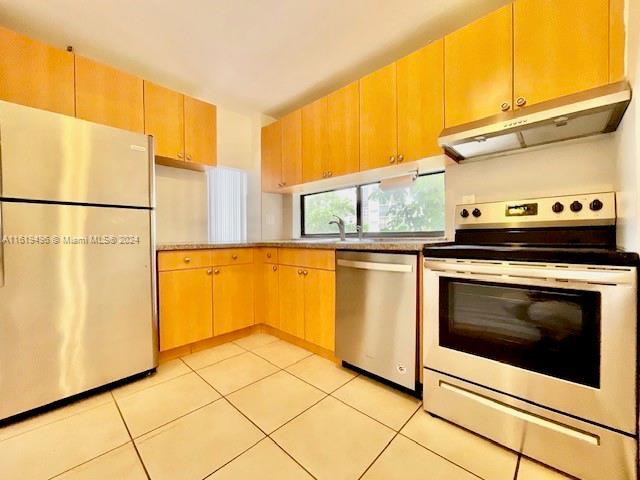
586, 275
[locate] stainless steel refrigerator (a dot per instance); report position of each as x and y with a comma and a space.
77, 259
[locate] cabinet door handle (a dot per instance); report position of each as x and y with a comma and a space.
275, 268
299, 271
216, 271
305, 273
180, 155
187, 259
329, 173
505, 107
234, 257
521, 101
189, 158
209, 271
268, 254
400, 158
392, 159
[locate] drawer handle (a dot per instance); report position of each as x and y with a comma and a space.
187, 259
234, 256
269, 255
275, 268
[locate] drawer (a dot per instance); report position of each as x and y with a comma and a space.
181, 259
232, 256
307, 257
267, 255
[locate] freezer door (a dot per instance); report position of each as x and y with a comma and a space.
73, 316
52, 157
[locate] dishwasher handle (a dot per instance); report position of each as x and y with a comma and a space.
380, 267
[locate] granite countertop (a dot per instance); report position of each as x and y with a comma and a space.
391, 244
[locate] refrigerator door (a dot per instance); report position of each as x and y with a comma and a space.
73, 316
52, 157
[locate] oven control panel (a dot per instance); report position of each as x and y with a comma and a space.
569, 210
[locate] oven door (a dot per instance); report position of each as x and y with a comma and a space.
560, 336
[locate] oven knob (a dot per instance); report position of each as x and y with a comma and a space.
596, 205
557, 207
476, 212
575, 206
464, 213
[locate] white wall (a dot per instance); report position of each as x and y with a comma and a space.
628, 144
181, 206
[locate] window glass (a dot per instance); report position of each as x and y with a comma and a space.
418, 208
319, 209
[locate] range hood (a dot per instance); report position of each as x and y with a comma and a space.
583, 114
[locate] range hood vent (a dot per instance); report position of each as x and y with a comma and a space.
583, 114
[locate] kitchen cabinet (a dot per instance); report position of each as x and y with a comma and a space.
269, 294
319, 307
378, 118
420, 78
200, 143
185, 300
291, 300
560, 47
314, 136
478, 68
108, 96
292, 149
342, 131
616, 40
35, 74
271, 149
232, 297
164, 119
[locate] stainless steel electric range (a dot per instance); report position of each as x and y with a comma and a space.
530, 332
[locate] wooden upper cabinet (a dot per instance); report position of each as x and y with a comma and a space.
479, 69
378, 118
420, 102
200, 125
164, 119
616, 40
560, 47
35, 74
292, 148
108, 96
271, 152
314, 137
342, 130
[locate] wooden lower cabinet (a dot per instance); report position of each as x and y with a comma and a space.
185, 298
232, 298
319, 307
291, 300
270, 294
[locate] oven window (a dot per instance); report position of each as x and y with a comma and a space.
551, 331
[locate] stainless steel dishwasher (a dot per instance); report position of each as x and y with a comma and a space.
376, 314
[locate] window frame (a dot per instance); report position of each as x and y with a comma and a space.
358, 187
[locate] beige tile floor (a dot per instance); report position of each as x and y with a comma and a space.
257, 408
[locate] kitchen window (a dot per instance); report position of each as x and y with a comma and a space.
414, 210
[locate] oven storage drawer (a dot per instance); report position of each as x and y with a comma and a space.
558, 440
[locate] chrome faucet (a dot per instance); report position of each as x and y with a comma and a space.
340, 223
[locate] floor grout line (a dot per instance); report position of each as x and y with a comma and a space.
292, 457
90, 460
144, 467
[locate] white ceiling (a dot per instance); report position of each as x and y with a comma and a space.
267, 56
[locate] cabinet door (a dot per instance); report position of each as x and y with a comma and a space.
35, 74
271, 151
343, 135
270, 295
109, 96
232, 298
200, 135
185, 307
616, 40
314, 138
164, 119
378, 119
478, 68
559, 48
292, 148
319, 308
291, 285
420, 102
